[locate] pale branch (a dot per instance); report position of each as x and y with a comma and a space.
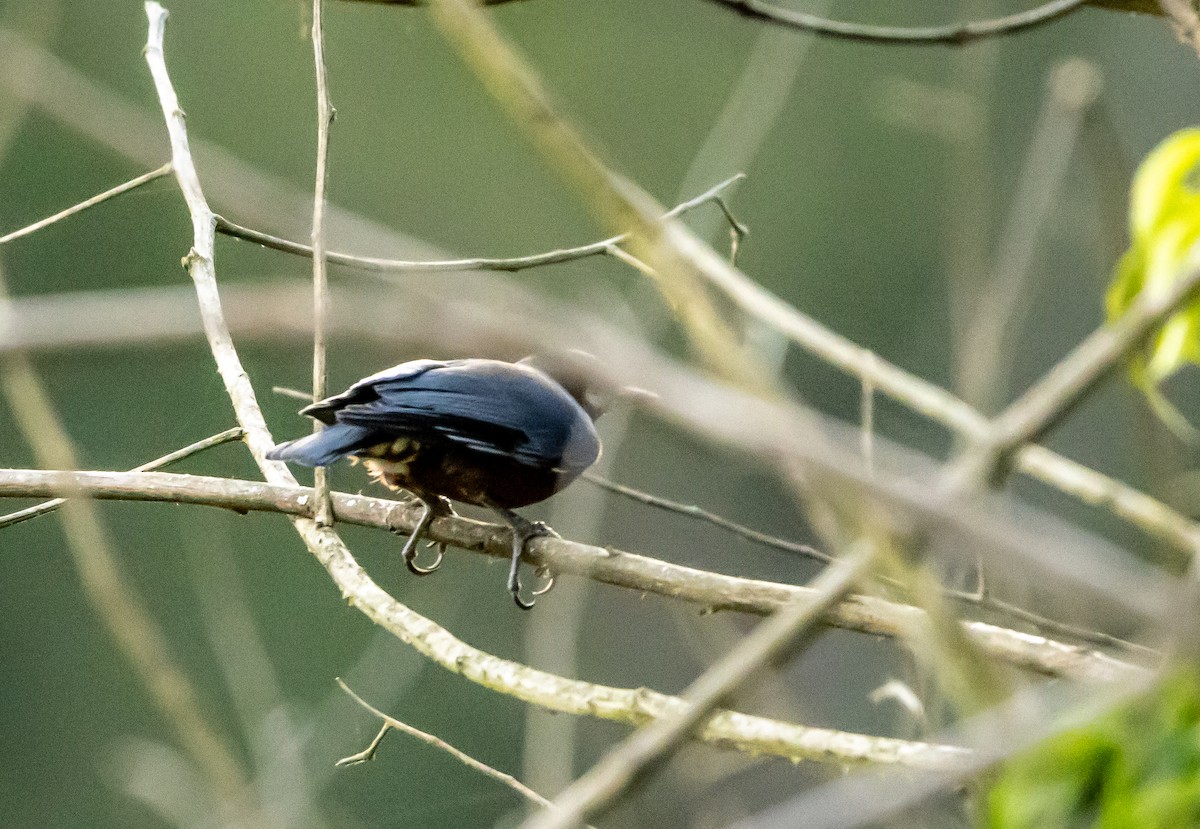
323, 510
45, 507
709, 590
99, 198
510, 265
467, 760
783, 633
951, 34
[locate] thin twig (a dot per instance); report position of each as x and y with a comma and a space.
236, 433
694, 511
132, 184
607, 565
951, 34
510, 265
784, 631
1044, 624
322, 509
390, 722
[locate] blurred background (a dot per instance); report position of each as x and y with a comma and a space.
886, 187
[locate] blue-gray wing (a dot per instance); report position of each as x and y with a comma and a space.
485, 405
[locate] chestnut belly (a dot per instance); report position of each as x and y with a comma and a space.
460, 474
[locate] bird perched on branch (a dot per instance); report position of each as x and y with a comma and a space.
485, 432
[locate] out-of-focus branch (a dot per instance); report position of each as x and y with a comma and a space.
672, 254
610, 566
1185, 18
117, 603
1055, 395
785, 631
952, 34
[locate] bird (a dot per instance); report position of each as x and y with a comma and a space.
487, 432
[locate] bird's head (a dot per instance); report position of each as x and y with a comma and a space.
584, 377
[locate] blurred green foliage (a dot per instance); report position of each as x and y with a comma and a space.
1137, 767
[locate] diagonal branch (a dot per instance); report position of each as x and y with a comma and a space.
99, 198
1054, 396
792, 625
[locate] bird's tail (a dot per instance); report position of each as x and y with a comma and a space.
323, 448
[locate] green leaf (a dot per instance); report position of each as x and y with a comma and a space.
1164, 218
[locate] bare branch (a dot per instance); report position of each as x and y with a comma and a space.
510, 265
952, 34
132, 184
117, 603
610, 566
1185, 19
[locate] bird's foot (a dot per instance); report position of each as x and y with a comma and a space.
433, 509
522, 531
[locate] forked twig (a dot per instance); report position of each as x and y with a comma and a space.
390, 722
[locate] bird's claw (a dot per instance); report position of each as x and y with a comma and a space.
410, 559
544, 573
409, 553
523, 531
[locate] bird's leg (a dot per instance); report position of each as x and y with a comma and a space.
432, 509
522, 530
